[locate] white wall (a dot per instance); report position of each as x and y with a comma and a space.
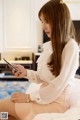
36, 28
20, 28
16, 24
74, 10
1, 26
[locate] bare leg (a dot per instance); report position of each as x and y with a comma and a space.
6, 105
28, 110
23, 109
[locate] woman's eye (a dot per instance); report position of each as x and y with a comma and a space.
46, 21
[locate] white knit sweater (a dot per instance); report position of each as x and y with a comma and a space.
56, 85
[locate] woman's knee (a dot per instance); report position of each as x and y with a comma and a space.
6, 105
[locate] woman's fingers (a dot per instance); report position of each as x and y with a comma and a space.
14, 99
15, 96
18, 97
16, 73
20, 72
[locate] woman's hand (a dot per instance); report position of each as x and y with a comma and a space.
19, 97
44, 84
22, 72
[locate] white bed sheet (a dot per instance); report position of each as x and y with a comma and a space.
71, 114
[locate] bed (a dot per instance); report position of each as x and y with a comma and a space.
72, 114
9, 87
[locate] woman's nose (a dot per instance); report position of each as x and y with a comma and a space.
44, 27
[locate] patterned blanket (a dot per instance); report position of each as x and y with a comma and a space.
9, 87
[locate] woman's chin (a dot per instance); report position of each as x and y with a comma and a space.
49, 36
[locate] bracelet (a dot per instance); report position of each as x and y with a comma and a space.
27, 98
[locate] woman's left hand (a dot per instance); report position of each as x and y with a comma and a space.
18, 97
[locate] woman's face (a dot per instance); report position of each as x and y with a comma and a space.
46, 26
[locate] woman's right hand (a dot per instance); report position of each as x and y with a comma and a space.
44, 84
21, 71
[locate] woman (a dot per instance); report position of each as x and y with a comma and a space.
57, 66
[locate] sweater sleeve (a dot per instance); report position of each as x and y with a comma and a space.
70, 62
34, 76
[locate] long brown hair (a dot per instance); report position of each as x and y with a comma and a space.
58, 16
